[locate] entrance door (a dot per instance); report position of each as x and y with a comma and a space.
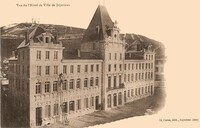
39, 116
115, 99
97, 102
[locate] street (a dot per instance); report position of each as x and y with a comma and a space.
136, 108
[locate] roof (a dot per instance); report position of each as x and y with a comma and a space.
134, 55
97, 29
32, 34
83, 55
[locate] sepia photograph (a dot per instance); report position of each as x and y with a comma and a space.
101, 63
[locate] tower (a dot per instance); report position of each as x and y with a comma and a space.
102, 38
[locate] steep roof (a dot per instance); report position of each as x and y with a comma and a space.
97, 29
32, 34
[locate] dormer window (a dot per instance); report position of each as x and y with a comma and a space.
46, 39
97, 29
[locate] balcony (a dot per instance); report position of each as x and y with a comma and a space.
121, 86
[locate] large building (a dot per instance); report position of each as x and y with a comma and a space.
47, 86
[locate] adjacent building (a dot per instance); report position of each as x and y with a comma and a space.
48, 86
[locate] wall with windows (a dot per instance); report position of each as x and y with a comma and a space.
78, 91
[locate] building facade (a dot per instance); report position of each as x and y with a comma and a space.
47, 87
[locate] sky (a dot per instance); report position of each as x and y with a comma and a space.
175, 23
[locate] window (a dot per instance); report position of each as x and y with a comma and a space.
139, 66
55, 109
109, 67
145, 75
142, 65
129, 66
91, 81
55, 69
64, 85
136, 91
86, 68
132, 77
65, 107
28, 71
124, 77
71, 69
142, 90
78, 83
23, 69
55, 86
65, 69
47, 87
39, 70
115, 67
142, 76
136, 76
132, 66
47, 40
156, 70
115, 81
71, 106
92, 101
78, 68
47, 55
131, 92
38, 55
120, 56
128, 77
109, 56
128, 93
97, 81
139, 74
120, 67
97, 68
47, 70
109, 82
85, 82
124, 66
27, 87
120, 98
115, 56
55, 55
78, 104
92, 68
47, 111
136, 66
120, 79
109, 101
71, 84
38, 88
151, 75
86, 105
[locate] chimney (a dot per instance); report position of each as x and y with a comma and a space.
26, 36
79, 53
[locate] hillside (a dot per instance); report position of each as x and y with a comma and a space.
13, 35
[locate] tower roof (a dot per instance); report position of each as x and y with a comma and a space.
98, 27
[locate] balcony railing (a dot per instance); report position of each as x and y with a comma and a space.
117, 87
